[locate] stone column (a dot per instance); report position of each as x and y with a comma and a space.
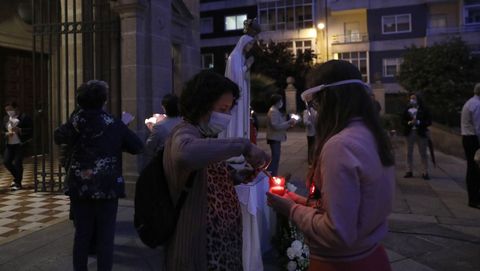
132, 74
379, 91
291, 96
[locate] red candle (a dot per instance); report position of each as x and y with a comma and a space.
277, 185
279, 190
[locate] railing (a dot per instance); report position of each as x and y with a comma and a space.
453, 30
351, 38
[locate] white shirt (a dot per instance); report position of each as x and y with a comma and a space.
470, 121
12, 123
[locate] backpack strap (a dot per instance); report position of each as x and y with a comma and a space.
185, 191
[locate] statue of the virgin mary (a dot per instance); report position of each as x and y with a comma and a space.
238, 70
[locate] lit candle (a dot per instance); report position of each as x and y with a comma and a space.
277, 185
295, 117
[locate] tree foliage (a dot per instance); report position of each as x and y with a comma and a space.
444, 73
276, 61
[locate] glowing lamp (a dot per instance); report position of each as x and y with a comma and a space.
277, 185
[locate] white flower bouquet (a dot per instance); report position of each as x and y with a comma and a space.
298, 252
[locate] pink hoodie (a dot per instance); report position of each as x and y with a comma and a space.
357, 196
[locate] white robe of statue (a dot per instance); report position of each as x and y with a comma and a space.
238, 71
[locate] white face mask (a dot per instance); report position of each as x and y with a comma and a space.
218, 122
11, 113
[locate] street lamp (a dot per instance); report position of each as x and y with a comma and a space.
321, 26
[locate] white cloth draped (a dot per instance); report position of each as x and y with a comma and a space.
237, 71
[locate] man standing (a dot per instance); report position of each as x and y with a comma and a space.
18, 131
416, 119
470, 125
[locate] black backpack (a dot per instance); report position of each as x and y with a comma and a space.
156, 216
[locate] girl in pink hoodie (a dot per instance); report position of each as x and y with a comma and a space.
352, 180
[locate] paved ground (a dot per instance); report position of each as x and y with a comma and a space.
431, 228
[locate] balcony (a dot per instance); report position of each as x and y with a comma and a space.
351, 38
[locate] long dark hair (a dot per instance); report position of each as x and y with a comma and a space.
202, 91
337, 105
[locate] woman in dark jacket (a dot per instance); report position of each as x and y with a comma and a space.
94, 179
416, 119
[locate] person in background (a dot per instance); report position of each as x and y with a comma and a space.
470, 128
277, 127
416, 119
162, 129
208, 235
18, 130
94, 179
309, 119
376, 104
352, 181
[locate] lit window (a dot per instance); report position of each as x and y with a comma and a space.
359, 59
207, 61
206, 25
396, 24
286, 15
234, 22
299, 46
391, 66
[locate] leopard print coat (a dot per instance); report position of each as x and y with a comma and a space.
224, 221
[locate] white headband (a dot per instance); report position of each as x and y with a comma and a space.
307, 95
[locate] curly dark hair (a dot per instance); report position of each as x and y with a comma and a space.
202, 91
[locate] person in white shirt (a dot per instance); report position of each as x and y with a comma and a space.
18, 132
470, 128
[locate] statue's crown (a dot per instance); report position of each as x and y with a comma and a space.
251, 27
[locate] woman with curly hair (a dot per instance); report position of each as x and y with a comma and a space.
209, 230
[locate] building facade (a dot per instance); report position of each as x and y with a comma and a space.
372, 34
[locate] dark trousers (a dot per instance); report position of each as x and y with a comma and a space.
94, 218
470, 146
275, 147
311, 148
13, 161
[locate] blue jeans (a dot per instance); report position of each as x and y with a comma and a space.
275, 147
94, 218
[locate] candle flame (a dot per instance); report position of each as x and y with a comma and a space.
277, 180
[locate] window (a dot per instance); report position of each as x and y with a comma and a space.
286, 15
206, 25
396, 24
352, 33
391, 66
359, 59
207, 61
299, 46
438, 21
234, 22
472, 12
